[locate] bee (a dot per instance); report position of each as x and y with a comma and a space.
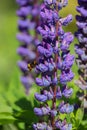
32, 65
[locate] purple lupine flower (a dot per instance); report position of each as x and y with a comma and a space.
58, 93
45, 81
82, 10
24, 38
49, 127
47, 52
42, 111
45, 96
53, 55
41, 97
62, 125
66, 41
40, 126
66, 62
24, 52
66, 21
65, 108
78, 50
28, 13
81, 48
66, 76
67, 92
22, 65
49, 2
27, 81
62, 4
41, 67
53, 112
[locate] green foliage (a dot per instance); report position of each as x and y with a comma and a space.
79, 115
15, 106
8, 127
6, 114
77, 120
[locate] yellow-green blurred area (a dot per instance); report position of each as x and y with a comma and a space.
8, 43
8, 30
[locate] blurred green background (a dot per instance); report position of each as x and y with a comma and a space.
8, 43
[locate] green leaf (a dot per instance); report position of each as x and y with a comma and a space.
84, 123
6, 114
21, 106
62, 116
79, 114
27, 116
15, 90
5, 109
72, 115
9, 127
6, 119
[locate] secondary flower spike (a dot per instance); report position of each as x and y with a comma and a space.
81, 48
28, 20
53, 56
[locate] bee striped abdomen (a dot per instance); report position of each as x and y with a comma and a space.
32, 65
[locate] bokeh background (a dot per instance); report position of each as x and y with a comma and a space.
8, 43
